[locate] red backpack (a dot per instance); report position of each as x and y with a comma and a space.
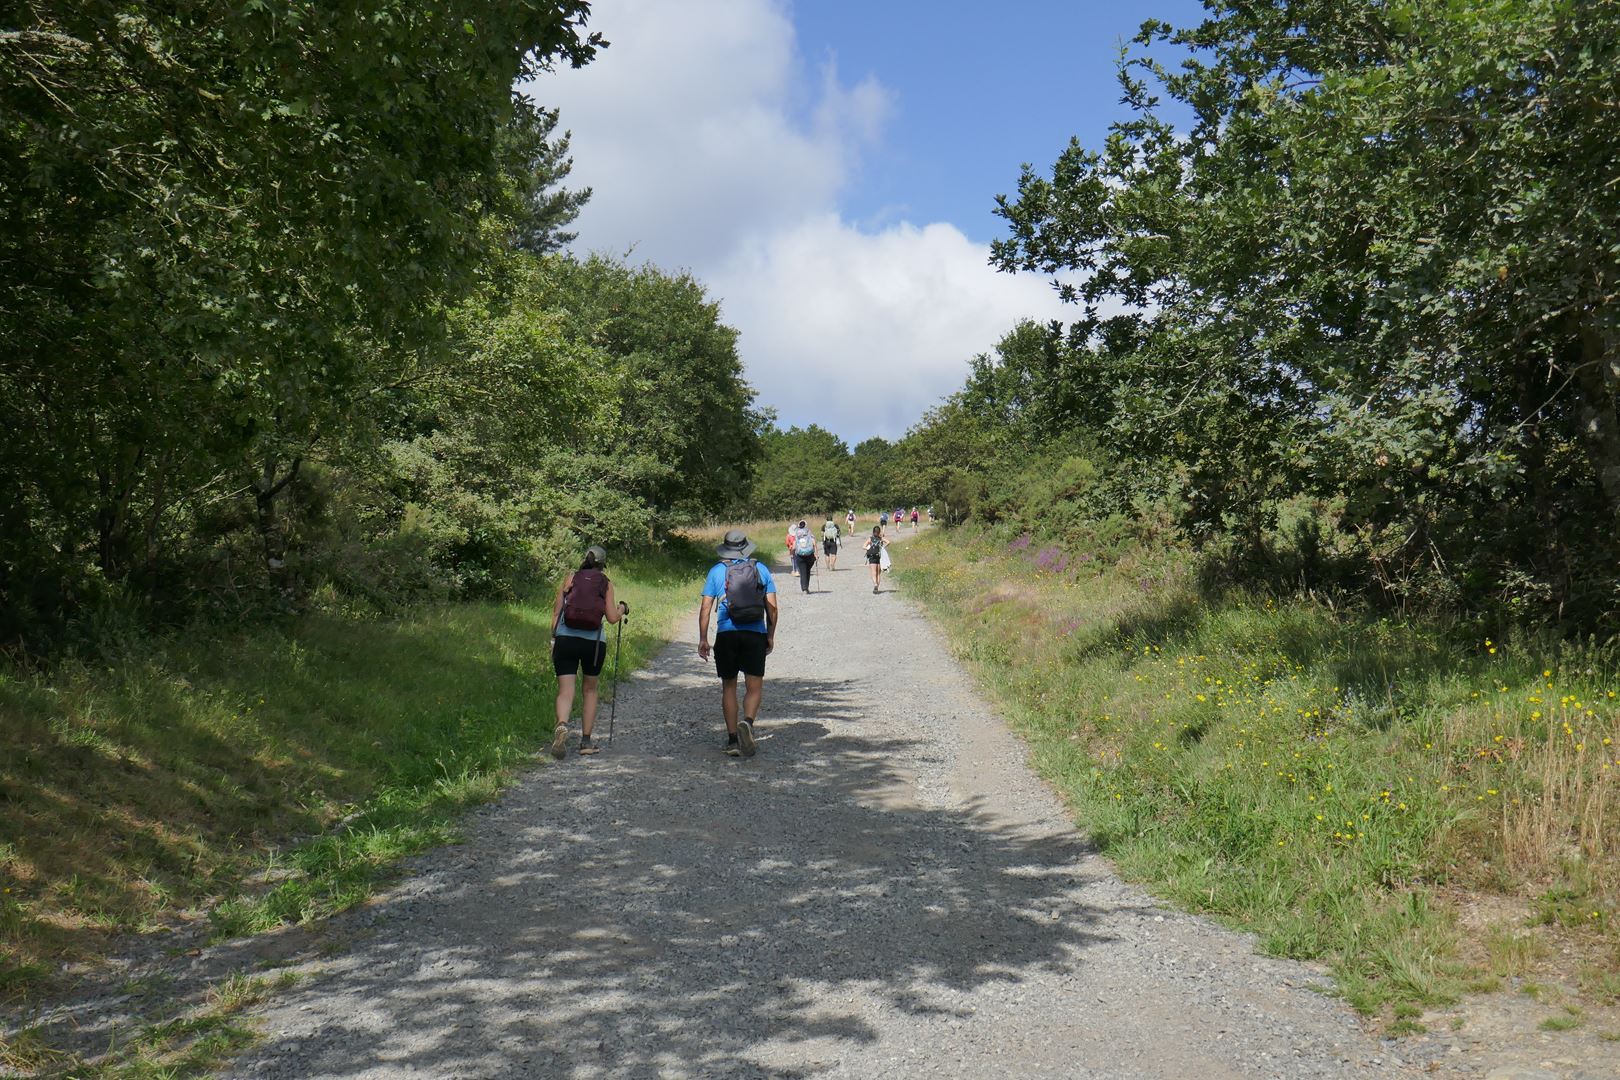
585, 602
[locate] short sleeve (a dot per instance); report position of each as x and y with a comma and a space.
715, 584
766, 577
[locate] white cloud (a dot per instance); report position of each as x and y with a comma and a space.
861, 331
711, 145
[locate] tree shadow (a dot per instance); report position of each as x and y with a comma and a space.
157, 785
662, 907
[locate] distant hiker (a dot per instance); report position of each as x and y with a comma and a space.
883, 519
849, 522
578, 640
804, 553
914, 518
930, 515
830, 535
745, 634
874, 554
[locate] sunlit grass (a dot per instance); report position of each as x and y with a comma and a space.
169, 782
1314, 775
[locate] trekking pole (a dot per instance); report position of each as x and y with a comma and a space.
613, 706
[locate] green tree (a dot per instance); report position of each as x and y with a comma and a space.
221, 223
871, 477
683, 400
545, 208
945, 460
803, 472
1380, 265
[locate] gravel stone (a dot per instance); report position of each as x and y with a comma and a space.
887, 889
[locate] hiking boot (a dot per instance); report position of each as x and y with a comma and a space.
559, 742
733, 747
745, 738
586, 746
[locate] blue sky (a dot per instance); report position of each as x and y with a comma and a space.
828, 169
979, 89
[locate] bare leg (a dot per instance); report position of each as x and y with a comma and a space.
565, 698
753, 691
728, 704
592, 683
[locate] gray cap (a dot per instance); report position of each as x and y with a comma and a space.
736, 545
598, 553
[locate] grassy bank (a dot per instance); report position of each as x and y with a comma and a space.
1426, 809
272, 775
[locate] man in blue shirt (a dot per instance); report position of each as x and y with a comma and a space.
740, 647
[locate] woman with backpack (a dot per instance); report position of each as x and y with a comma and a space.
804, 553
585, 602
874, 554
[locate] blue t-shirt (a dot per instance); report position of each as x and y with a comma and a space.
715, 585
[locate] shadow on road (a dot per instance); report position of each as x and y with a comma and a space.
664, 907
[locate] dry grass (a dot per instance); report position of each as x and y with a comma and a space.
771, 535
1335, 781
164, 785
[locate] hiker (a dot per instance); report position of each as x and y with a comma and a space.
874, 554
915, 516
804, 554
830, 535
849, 522
883, 519
579, 640
745, 593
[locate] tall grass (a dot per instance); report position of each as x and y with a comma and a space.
1336, 782
274, 775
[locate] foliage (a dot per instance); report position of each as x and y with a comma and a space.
683, 401
1378, 271
224, 224
282, 332
803, 473
546, 208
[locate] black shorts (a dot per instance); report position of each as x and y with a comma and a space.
569, 654
874, 554
829, 547
739, 650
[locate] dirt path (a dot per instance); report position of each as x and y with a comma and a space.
886, 890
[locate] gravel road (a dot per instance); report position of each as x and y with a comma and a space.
885, 890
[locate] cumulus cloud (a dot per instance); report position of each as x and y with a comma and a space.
700, 126
864, 331
713, 145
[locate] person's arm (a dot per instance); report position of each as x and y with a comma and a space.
556, 609
705, 610
615, 610
770, 622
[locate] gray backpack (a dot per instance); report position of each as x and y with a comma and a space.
745, 592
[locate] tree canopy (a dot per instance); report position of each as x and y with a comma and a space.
279, 316
1378, 269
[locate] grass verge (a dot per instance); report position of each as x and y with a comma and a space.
1344, 785
274, 775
